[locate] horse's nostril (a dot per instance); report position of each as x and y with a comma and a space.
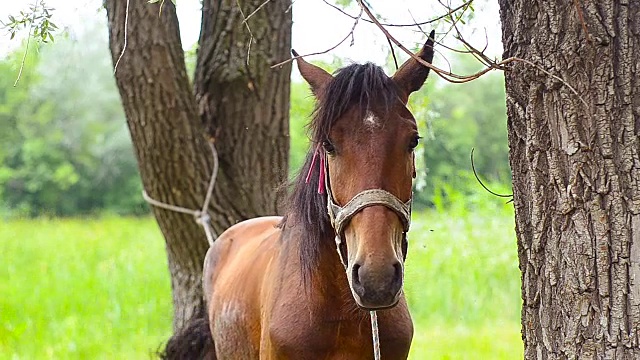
397, 274
355, 274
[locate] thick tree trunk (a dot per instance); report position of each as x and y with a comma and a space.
576, 170
172, 152
244, 104
251, 126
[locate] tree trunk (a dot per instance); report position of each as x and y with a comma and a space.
576, 164
244, 104
172, 153
169, 139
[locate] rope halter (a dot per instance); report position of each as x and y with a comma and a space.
341, 215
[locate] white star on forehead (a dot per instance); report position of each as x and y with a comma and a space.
371, 120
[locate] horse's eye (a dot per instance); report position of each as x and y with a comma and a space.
414, 142
328, 147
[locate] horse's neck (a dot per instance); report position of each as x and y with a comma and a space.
326, 290
330, 282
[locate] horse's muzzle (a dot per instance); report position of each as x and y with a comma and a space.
376, 288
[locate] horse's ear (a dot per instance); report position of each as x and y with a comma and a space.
315, 76
412, 74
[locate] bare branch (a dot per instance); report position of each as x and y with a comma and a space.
124, 46
451, 77
26, 50
248, 28
255, 11
475, 173
454, 78
402, 25
350, 34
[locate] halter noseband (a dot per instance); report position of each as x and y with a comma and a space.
341, 215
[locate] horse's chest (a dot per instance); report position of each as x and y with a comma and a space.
326, 338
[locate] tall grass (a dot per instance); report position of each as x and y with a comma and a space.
463, 283
100, 289
83, 289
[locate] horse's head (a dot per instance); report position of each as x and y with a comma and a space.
367, 136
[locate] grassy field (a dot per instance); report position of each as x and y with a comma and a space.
99, 289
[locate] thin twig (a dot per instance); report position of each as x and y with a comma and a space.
248, 28
256, 10
124, 46
454, 20
473, 167
393, 53
26, 50
400, 25
350, 34
451, 77
439, 43
454, 78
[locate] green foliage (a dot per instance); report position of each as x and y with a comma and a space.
454, 119
302, 103
66, 149
99, 289
37, 19
190, 58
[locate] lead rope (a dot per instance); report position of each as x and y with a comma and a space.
374, 334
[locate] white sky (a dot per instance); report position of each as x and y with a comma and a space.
317, 27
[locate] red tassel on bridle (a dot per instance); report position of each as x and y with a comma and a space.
321, 172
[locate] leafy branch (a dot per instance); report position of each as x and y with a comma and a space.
37, 19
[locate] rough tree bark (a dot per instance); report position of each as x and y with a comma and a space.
249, 124
244, 104
576, 173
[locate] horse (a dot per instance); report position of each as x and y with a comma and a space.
301, 286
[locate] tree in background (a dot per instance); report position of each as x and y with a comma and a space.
65, 148
95, 150
575, 157
454, 119
237, 102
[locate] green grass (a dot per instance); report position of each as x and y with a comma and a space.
83, 289
463, 284
99, 289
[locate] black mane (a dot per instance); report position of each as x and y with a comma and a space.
360, 85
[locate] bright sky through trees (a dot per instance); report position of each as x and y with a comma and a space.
317, 27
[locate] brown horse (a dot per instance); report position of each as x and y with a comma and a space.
275, 287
